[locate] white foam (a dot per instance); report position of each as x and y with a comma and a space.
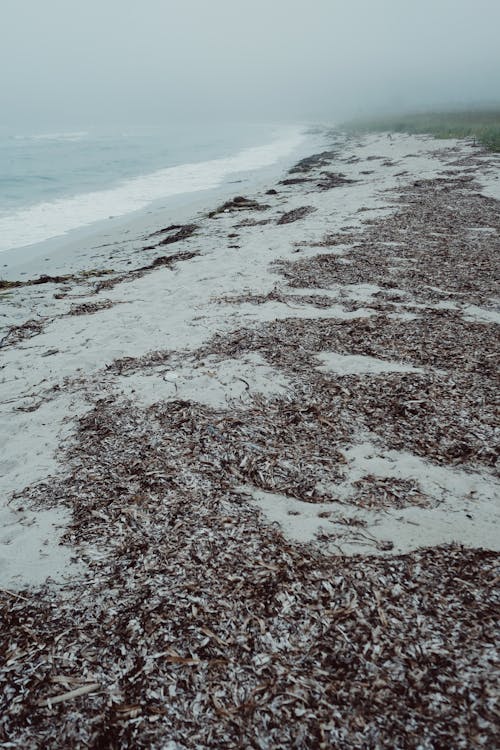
55, 218
72, 136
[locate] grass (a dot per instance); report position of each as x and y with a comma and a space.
481, 125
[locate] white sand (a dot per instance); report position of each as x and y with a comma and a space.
358, 364
215, 383
64, 368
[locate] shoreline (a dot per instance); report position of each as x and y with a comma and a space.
293, 397
59, 252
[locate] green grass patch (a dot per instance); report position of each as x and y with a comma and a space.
483, 126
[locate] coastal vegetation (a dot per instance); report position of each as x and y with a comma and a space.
483, 126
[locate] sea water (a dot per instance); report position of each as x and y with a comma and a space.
55, 182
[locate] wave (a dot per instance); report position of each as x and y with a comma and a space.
72, 136
50, 219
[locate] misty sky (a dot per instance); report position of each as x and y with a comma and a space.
84, 62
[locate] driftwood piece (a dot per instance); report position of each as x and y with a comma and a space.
69, 695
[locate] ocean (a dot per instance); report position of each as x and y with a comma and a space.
54, 182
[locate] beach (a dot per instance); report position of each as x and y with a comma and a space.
248, 463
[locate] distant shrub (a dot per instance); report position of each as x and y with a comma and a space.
481, 125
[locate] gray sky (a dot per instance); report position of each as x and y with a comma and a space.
143, 61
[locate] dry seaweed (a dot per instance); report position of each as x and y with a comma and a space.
295, 181
181, 232
387, 492
313, 162
329, 180
238, 204
166, 261
277, 295
46, 279
18, 333
5, 284
297, 213
443, 242
88, 308
447, 413
202, 627
252, 223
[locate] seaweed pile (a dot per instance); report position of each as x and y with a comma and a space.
443, 229
171, 234
197, 625
239, 203
297, 213
446, 413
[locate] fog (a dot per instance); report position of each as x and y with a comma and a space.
69, 62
